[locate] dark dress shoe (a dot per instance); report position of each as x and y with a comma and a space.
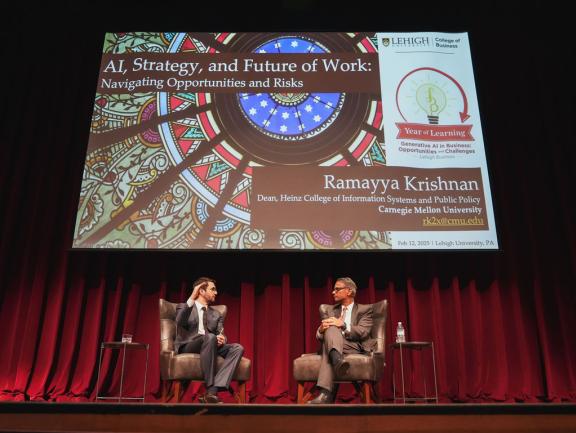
209, 398
324, 397
341, 368
337, 360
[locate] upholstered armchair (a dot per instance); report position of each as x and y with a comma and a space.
365, 369
177, 368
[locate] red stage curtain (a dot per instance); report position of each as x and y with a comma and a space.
496, 339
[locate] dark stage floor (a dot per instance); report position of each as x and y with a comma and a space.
255, 418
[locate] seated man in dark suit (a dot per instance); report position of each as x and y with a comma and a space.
200, 330
345, 330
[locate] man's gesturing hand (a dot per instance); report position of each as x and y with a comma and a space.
196, 293
221, 339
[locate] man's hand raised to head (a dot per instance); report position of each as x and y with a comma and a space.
196, 293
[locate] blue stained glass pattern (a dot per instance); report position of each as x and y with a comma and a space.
291, 116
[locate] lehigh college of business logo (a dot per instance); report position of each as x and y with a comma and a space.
385, 41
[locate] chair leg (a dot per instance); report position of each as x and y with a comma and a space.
178, 390
242, 392
375, 392
366, 393
300, 399
165, 384
303, 396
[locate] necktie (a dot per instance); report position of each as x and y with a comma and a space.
205, 319
343, 317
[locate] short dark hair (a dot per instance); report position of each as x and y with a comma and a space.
204, 280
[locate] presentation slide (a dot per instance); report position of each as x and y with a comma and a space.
286, 141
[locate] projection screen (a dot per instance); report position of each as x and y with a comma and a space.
286, 141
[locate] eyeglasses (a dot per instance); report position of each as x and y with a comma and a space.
337, 289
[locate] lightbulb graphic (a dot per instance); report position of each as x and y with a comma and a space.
432, 100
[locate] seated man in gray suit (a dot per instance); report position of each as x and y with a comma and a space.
200, 330
345, 330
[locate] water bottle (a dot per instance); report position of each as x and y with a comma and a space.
400, 335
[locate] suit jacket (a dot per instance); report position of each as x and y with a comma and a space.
360, 325
187, 323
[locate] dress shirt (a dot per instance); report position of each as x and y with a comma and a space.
348, 317
199, 306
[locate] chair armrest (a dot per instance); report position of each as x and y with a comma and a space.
379, 357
